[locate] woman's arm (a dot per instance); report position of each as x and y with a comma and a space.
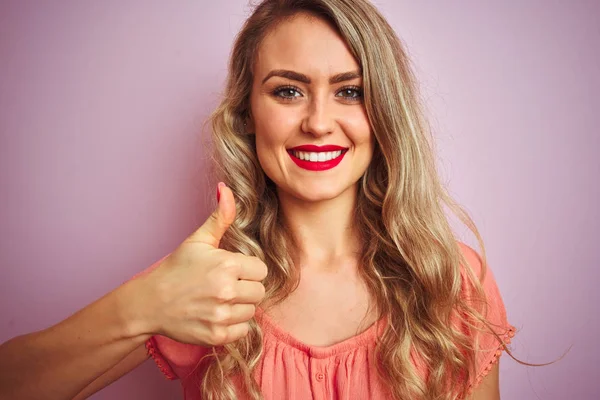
128, 364
489, 388
199, 294
59, 362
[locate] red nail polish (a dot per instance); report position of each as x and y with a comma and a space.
219, 186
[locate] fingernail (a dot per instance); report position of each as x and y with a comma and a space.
219, 186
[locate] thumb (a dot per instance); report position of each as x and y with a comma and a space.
219, 221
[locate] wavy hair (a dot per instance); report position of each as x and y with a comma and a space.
410, 259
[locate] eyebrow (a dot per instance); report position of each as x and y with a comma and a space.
297, 76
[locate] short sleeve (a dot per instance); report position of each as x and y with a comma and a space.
174, 359
489, 348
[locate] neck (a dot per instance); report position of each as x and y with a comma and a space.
323, 231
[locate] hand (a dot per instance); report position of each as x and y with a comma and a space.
202, 294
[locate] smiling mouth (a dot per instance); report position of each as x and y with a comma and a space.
316, 157
317, 161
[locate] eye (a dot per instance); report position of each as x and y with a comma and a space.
287, 92
352, 93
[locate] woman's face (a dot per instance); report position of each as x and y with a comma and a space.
307, 90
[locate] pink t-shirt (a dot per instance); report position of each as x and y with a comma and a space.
290, 369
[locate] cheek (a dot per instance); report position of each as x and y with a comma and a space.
271, 120
359, 129
274, 126
276, 122
271, 139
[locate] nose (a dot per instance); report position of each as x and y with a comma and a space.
319, 120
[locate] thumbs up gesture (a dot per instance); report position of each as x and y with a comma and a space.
202, 294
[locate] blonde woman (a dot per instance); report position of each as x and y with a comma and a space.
328, 269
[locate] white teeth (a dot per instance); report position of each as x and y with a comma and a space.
317, 157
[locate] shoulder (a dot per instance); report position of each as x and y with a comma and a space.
494, 338
472, 257
477, 273
474, 270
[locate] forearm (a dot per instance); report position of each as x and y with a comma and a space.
60, 361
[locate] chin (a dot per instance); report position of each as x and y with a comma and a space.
315, 193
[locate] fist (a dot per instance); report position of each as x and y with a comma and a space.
202, 294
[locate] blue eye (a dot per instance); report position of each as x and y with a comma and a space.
350, 92
287, 92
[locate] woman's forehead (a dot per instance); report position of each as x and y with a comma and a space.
305, 44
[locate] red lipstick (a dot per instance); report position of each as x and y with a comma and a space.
317, 165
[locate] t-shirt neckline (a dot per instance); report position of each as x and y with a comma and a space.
368, 337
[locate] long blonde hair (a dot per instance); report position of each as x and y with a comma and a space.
410, 257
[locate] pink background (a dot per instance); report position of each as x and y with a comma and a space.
101, 159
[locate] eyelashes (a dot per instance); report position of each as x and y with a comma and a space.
355, 91
286, 92
289, 93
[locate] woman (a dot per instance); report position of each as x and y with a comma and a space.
328, 270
